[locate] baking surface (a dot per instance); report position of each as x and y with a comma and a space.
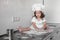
39, 32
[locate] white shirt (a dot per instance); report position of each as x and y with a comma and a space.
39, 23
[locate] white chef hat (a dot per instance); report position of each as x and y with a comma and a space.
38, 7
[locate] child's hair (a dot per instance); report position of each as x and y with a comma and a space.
42, 14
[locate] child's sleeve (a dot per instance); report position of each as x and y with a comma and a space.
33, 19
44, 20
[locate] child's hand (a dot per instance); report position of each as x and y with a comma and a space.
44, 28
37, 29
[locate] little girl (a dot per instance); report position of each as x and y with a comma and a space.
38, 20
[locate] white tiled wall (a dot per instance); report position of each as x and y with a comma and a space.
52, 11
15, 8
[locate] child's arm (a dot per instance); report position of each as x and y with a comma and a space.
34, 25
45, 26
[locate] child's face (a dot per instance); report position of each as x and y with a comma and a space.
38, 14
